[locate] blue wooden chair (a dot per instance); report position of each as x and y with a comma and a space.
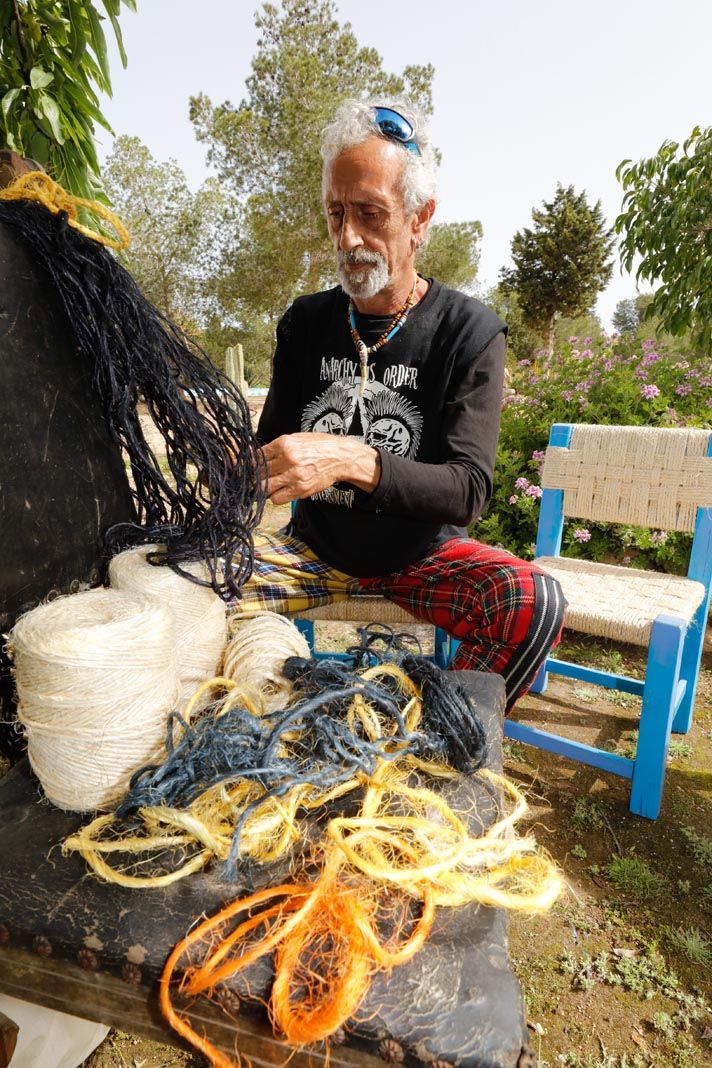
641, 476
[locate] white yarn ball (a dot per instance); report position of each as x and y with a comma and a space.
200, 615
96, 677
255, 655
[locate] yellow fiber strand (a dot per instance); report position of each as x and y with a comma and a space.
405, 835
39, 187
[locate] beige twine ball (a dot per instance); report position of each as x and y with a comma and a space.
96, 676
255, 655
200, 615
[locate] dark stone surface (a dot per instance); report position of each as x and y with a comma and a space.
62, 477
457, 1001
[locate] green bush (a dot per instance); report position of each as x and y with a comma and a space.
619, 380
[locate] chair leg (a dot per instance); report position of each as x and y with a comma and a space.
689, 670
661, 679
453, 646
306, 627
442, 648
541, 680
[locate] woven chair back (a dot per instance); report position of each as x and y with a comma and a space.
642, 476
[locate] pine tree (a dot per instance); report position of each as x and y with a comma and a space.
562, 262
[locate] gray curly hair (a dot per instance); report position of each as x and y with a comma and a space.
354, 122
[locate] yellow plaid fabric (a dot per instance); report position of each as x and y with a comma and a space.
288, 577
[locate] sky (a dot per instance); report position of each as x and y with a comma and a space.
526, 94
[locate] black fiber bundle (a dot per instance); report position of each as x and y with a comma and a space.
136, 352
449, 714
448, 710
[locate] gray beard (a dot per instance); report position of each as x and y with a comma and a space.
362, 284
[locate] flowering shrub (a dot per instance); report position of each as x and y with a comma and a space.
607, 380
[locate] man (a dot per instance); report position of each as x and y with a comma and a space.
383, 415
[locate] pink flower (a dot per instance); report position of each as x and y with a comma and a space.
538, 454
706, 381
641, 372
513, 499
683, 390
567, 394
524, 363
587, 353
582, 534
521, 483
709, 402
658, 537
588, 340
649, 391
648, 343
650, 357
608, 365
573, 339
534, 491
626, 561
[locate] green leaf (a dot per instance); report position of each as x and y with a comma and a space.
50, 109
40, 79
8, 100
112, 11
78, 38
98, 41
38, 148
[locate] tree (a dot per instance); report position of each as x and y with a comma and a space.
53, 60
562, 262
630, 313
522, 341
267, 154
666, 219
157, 207
452, 254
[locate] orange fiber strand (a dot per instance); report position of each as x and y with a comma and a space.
327, 944
310, 1001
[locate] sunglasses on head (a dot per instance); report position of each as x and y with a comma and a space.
396, 128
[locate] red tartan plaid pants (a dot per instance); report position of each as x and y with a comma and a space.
506, 613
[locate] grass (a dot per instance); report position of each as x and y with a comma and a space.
605, 1060
588, 814
700, 846
634, 878
691, 943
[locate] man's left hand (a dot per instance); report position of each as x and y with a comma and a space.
299, 465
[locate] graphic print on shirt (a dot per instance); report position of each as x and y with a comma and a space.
381, 418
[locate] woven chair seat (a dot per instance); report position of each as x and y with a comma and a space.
361, 608
620, 602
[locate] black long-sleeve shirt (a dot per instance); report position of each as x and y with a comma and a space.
431, 407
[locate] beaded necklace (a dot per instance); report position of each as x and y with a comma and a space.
364, 350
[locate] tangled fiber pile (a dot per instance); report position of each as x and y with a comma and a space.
233, 782
213, 500
236, 784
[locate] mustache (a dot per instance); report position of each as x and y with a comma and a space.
358, 257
